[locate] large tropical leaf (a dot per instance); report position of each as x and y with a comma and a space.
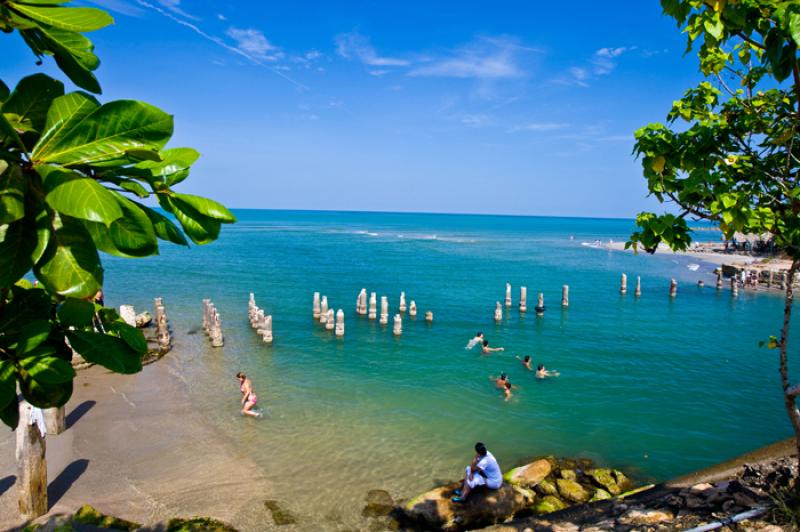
172, 160
8, 383
45, 395
104, 135
48, 369
163, 226
71, 19
65, 114
78, 196
74, 54
200, 228
17, 242
31, 99
133, 233
4, 91
70, 265
206, 207
108, 351
12, 193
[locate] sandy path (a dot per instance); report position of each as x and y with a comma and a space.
136, 449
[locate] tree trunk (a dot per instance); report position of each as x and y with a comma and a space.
789, 395
55, 420
31, 466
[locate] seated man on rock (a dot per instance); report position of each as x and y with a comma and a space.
483, 471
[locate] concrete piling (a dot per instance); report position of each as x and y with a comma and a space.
316, 309
384, 310
540, 305
498, 312
212, 323
638, 291
323, 310
397, 330
402, 306
508, 295
412, 309
31, 463
565, 296
718, 271
339, 323
330, 320
673, 288
523, 298
373, 304
623, 284
429, 316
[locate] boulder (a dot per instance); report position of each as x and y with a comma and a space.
279, 515
547, 487
549, 504
572, 491
600, 495
88, 515
379, 504
529, 475
128, 314
197, 524
435, 510
143, 320
568, 474
644, 517
623, 482
604, 478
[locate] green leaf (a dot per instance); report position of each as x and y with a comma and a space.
4, 91
131, 335
43, 226
78, 19
80, 197
8, 132
173, 160
793, 20
107, 133
108, 351
48, 369
201, 229
76, 313
74, 55
8, 383
45, 395
32, 335
135, 187
206, 207
17, 242
164, 228
10, 414
12, 193
70, 265
65, 114
133, 233
31, 99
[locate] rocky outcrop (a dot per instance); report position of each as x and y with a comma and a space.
435, 510
529, 475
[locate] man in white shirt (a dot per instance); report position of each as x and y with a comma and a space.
483, 471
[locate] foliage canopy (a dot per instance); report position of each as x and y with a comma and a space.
73, 172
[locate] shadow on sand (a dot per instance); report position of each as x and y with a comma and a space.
6, 483
64, 481
78, 412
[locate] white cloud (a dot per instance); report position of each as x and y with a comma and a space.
601, 63
476, 120
312, 55
253, 42
222, 17
539, 126
353, 45
174, 6
486, 58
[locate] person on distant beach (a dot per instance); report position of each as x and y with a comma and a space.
542, 373
487, 350
526, 362
249, 398
99, 298
482, 471
475, 341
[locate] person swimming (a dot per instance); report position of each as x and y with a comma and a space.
487, 350
507, 391
500, 382
249, 398
526, 362
542, 373
475, 341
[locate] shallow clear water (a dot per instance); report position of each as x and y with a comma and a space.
657, 386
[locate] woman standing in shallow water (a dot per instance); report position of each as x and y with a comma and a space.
249, 398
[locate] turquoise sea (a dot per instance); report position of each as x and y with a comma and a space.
656, 386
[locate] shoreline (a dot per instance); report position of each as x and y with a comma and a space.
135, 448
705, 256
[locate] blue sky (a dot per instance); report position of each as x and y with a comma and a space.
483, 107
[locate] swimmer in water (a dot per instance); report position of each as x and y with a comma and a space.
487, 350
507, 391
249, 398
542, 373
500, 382
475, 341
526, 362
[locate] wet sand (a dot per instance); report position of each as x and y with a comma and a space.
135, 448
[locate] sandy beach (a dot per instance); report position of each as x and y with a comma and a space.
135, 448
705, 256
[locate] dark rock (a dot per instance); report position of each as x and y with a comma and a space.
549, 504
546, 487
604, 478
379, 504
198, 524
88, 515
143, 320
279, 515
